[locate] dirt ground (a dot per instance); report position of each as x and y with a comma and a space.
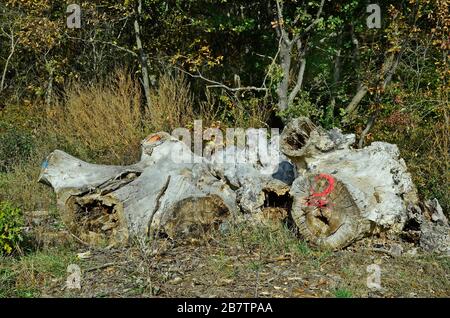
244, 262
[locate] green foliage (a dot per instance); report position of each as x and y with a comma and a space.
302, 106
11, 222
225, 41
15, 146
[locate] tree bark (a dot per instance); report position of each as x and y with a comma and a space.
8, 60
285, 64
362, 91
301, 72
336, 78
113, 204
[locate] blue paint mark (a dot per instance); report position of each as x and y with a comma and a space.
45, 164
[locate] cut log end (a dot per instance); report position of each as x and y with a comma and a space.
98, 221
295, 137
194, 217
326, 215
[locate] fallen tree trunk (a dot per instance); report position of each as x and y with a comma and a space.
344, 194
110, 204
170, 190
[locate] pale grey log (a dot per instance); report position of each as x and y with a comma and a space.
113, 204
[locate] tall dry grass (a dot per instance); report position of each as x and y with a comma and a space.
20, 184
171, 105
105, 118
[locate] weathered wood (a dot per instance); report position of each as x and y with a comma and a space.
110, 205
261, 185
170, 190
368, 189
339, 194
428, 227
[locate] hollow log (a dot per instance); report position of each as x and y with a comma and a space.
343, 194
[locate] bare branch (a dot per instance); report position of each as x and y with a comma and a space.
215, 84
121, 48
274, 60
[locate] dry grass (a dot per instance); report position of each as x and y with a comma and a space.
21, 187
227, 111
105, 118
245, 262
251, 114
171, 104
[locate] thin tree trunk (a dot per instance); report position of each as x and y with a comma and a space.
366, 130
355, 56
336, 77
301, 72
283, 88
389, 70
362, 91
13, 45
142, 56
49, 92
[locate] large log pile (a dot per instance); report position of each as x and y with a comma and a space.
339, 194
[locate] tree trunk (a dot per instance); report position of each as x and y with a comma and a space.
8, 60
336, 78
112, 204
340, 194
362, 91
283, 87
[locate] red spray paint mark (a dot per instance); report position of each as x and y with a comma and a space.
319, 199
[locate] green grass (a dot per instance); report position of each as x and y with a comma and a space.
28, 275
269, 241
343, 293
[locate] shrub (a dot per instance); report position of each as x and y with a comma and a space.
302, 106
11, 222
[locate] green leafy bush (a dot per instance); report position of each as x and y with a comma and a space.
11, 222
